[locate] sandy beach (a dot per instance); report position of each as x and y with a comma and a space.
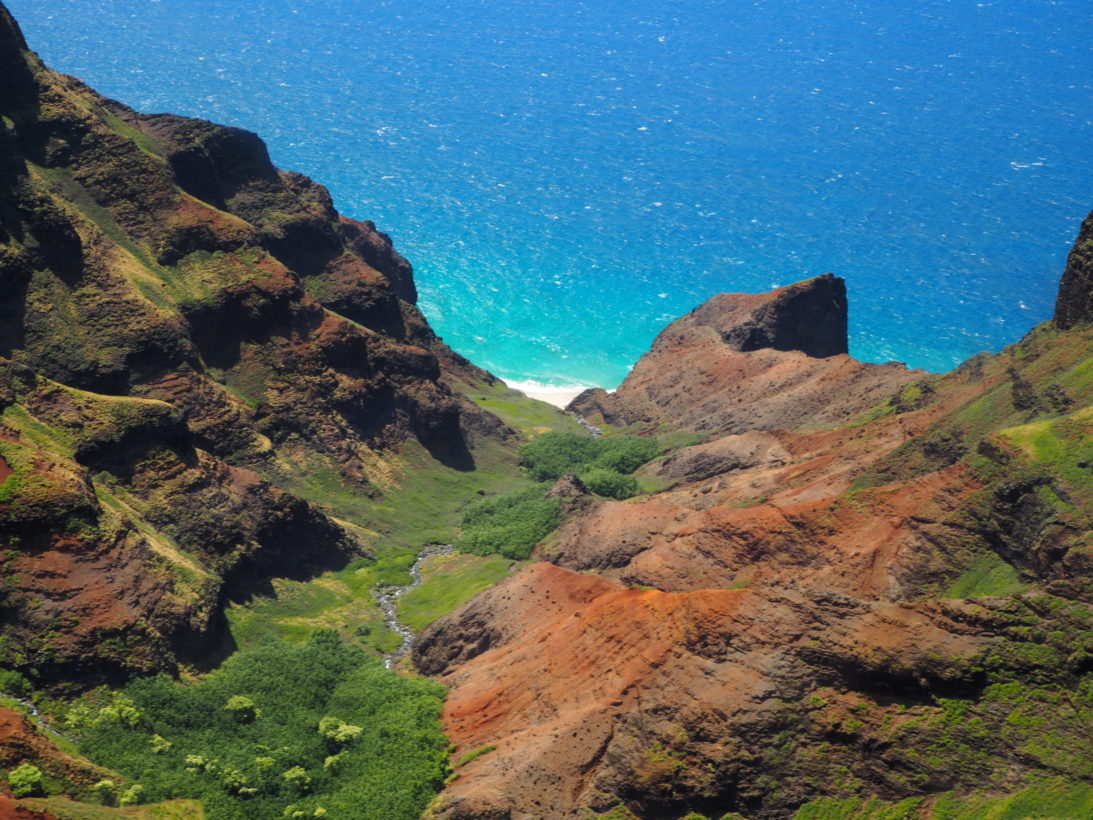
557, 395
558, 398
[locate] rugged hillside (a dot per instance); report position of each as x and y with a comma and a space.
745, 361
863, 585
194, 347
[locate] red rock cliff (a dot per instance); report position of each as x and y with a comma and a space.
862, 582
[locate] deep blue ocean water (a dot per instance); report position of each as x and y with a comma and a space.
568, 175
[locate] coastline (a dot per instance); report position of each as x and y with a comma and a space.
557, 395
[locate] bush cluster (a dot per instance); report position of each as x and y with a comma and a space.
509, 525
26, 780
552, 455
14, 684
318, 730
512, 524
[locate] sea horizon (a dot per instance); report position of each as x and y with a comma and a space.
568, 177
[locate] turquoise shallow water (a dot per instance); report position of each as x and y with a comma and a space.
569, 175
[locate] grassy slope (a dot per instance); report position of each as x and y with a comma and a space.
449, 581
529, 416
422, 505
68, 809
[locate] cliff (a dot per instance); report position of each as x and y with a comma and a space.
1074, 304
861, 591
744, 361
195, 348
863, 586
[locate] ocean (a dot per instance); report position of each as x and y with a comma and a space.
567, 176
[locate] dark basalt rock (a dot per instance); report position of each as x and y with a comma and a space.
1074, 304
213, 162
194, 328
18, 86
809, 316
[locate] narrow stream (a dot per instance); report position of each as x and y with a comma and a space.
387, 598
592, 429
37, 717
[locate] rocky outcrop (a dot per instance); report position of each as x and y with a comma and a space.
744, 361
809, 316
190, 339
880, 601
1074, 304
663, 699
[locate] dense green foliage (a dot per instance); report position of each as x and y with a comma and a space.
314, 730
554, 454
610, 484
12, 683
511, 524
25, 780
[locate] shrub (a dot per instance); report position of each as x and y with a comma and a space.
159, 745
609, 483
510, 525
241, 708
297, 778
12, 683
552, 455
338, 731
26, 781
106, 791
132, 796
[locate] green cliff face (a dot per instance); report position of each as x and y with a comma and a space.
201, 364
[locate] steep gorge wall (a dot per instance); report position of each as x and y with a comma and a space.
888, 595
187, 336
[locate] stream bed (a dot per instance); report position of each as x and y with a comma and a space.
387, 597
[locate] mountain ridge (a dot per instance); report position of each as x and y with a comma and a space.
176, 370
819, 605
852, 582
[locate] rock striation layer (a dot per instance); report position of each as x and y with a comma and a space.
749, 361
889, 600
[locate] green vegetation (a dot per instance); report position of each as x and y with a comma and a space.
987, 574
318, 727
610, 484
448, 582
530, 416
1061, 447
68, 809
474, 754
421, 504
510, 525
26, 780
552, 455
1046, 800
12, 683
421, 499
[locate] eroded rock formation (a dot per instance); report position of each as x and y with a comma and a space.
190, 339
749, 361
863, 581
